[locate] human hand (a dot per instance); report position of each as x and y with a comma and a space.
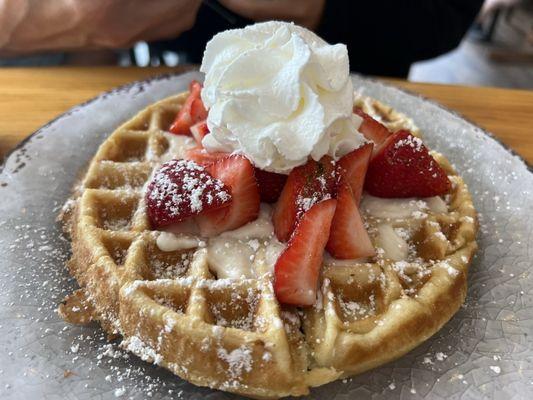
35, 25
307, 13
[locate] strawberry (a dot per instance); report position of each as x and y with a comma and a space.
181, 189
199, 130
306, 185
191, 112
189, 227
372, 129
270, 185
201, 156
348, 238
237, 173
403, 167
297, 268
198, 111
352, 169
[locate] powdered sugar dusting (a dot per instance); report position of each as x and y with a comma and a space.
411, 141
181, 188
239, 361
145, 352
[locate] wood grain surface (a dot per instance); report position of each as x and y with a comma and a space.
30, 97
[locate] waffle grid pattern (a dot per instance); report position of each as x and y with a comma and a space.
233, 335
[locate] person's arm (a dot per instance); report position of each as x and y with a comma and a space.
36, 25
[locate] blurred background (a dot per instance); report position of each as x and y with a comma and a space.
496, 51
471, 42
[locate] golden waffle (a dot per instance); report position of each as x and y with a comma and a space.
233, 335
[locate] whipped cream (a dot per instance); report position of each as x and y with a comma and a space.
278, 94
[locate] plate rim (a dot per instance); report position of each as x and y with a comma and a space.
163, 76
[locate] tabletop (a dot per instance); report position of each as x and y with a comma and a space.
30, 97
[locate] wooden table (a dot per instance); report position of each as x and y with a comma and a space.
29, 97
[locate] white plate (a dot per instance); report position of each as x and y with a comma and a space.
485, 351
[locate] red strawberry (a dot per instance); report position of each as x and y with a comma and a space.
297, 268
191, 112
270, 185
181, 189
199, 130
372, 129
198, 111
237, 173
348, 238
403, 167
306, 185
352, 169
189, 226
201, 156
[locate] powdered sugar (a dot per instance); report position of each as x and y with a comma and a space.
453, 272
141, 349
494, 368
411, 141
305, 203
355, 309
239, 361
181, 188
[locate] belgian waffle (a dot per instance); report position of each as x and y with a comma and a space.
233, 335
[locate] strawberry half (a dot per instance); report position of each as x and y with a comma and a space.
181, 189
199, 130
348, 238
306, 185
191, 112
270, 185
352, 169
403, 167
201, 156
372, 129
297, 268
237, 173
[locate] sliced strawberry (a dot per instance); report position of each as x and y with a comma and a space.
306, 185
189, 227
403, 167
181, 189
191, 112
199, 130
270, 185
237, 173
352, 169
297, 268
348, 238
203, 157
198, 111
372, 129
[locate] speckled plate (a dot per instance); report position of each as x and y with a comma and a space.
485, 351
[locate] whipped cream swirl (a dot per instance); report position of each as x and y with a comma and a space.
278, 94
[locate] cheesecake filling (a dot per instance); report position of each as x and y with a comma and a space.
246, 252
252, 249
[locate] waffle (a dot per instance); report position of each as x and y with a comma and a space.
233, 335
